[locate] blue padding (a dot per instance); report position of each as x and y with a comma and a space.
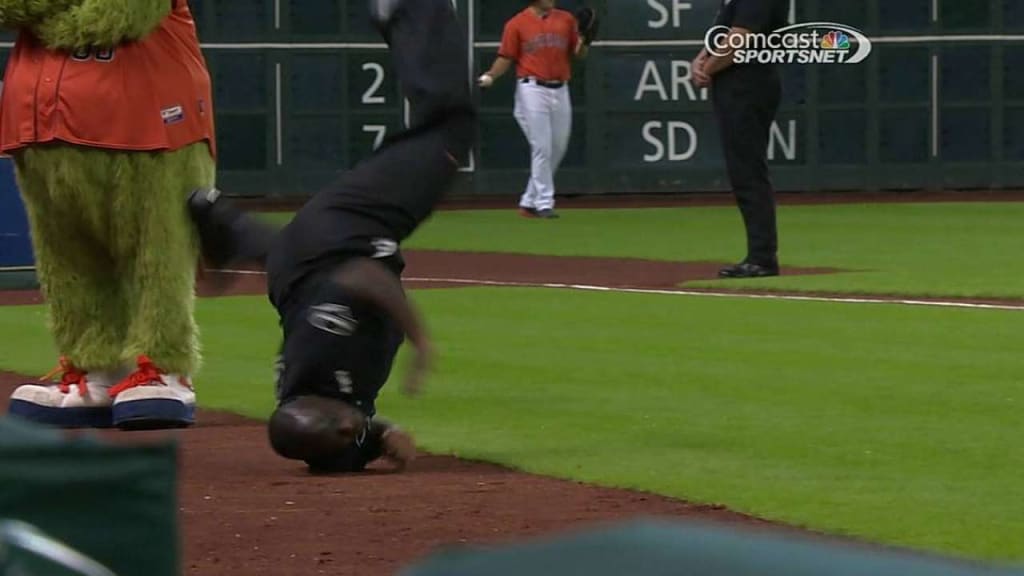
15, 240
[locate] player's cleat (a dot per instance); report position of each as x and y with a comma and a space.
226, 234
527, 212
548, 214
149, 399
79, 400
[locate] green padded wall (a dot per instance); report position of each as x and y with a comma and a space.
665, 548
114, 503
304, 90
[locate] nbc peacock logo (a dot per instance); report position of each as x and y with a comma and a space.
835, 40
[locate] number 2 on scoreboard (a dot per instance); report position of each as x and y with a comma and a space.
371, 96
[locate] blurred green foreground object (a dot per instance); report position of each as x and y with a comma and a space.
663, 548
26, 551
83, 506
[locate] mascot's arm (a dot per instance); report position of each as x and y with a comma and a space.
18, 13
102, 23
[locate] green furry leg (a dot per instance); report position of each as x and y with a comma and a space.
160, 250
133, 206
76, 271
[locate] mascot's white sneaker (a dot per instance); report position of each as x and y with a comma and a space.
79, 400
149, 399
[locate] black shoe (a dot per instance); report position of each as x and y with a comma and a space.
748, 270
547, 213
382, 11
227, 235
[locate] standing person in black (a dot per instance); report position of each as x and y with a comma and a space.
334, 272
746, 99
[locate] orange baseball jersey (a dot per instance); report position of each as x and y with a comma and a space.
542, 46
153, 94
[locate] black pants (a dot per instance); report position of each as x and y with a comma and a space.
398, 186
333, 345
430, 55
746, 101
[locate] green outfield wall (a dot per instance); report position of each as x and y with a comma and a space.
304, 90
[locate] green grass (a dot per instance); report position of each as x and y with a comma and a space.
896, 424
964, 250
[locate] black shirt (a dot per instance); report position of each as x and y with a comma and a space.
368, 213
758, 16
318, 240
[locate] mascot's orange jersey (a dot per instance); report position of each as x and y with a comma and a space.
153, 94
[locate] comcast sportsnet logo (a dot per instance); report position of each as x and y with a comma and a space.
809, 43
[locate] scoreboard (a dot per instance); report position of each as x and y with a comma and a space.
305, 88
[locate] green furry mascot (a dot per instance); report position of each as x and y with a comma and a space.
107, 113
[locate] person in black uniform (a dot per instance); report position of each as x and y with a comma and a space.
746, 99
334, 271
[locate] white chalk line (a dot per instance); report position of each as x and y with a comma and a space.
694, 293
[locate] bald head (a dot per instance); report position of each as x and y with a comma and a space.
318, 430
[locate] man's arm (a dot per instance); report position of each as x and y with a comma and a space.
697, 68
508, 53
497, 70
751, 16
582, 49
716, 64
587, 23
577, 40
370, 281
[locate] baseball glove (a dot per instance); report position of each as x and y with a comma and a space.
588, 24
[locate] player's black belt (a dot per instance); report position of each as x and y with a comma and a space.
544, 83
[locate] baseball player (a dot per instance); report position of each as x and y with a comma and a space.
334, 272
542, 40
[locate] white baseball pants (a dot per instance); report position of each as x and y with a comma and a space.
545, 116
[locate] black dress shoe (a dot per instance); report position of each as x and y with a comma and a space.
228, 236
382, 11
748, 270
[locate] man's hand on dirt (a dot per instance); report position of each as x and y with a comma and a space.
422, 363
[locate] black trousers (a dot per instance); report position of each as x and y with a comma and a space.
388, 194
401, 183
746, 101
430, 54
334, 346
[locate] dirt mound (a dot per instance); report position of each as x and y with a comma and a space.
245, 511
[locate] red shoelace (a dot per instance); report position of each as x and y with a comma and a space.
146, 373
70, 376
